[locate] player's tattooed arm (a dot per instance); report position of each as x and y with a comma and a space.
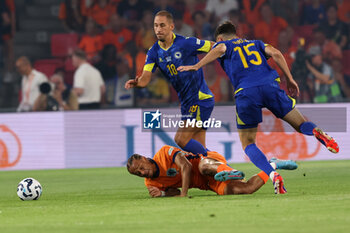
186, 169
215, 53
140, 81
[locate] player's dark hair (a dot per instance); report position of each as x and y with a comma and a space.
226, 28
167, 14
80, 53
131, 160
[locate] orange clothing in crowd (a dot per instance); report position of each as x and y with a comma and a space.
119, 40
243, 30
216, 88
92, 45
11, 5
101, 15
169, 174
140, 61
268, 33
344, 11
145, 38
63, 10
252, 15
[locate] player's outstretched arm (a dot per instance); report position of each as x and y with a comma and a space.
277, 56
186, 168
169, 192
140, 81
215, 53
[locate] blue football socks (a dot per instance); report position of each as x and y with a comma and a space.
258, 158
195, 147
307, 127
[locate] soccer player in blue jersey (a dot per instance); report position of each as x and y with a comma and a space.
257, 86
170, 52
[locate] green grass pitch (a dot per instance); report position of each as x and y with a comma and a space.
110, 200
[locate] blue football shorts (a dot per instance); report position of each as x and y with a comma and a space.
250, 101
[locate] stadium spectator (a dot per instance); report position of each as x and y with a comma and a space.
288, 10
243, 29
72, 14
91, 43
31, 80
101, 12
251, 10
88, 83
117, 35
145, 36
335, 29
288, 51
202, 29
300, 72
7, 36
219, 9
343, 10
155, 93
325, 86
123, 97
190, 7
132, 11
107, 64
313, 12
181, 27
139, 61
108, 68
342, 79
330, 50
218, 85
5, 23
63, 96
270, 26
164, 5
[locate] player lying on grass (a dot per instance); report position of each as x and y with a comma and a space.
172, 168
257, 86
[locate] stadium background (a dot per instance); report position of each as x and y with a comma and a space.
47, 32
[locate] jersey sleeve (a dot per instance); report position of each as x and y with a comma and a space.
261, 46
166, 155
151, 58
197, 45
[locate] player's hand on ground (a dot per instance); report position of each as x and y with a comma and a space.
293, 88
187, 68
131, 83
154, 192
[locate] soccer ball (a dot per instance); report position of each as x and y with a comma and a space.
29, 189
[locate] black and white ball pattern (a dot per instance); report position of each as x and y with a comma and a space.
29, 189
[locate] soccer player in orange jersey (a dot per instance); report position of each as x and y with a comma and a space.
172, 168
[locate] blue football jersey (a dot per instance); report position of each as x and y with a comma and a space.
245, 63
190, 86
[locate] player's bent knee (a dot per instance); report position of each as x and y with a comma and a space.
180, 140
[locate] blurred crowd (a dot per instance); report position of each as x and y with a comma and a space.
114, 36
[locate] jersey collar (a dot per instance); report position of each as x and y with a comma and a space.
156, 174
174, 36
